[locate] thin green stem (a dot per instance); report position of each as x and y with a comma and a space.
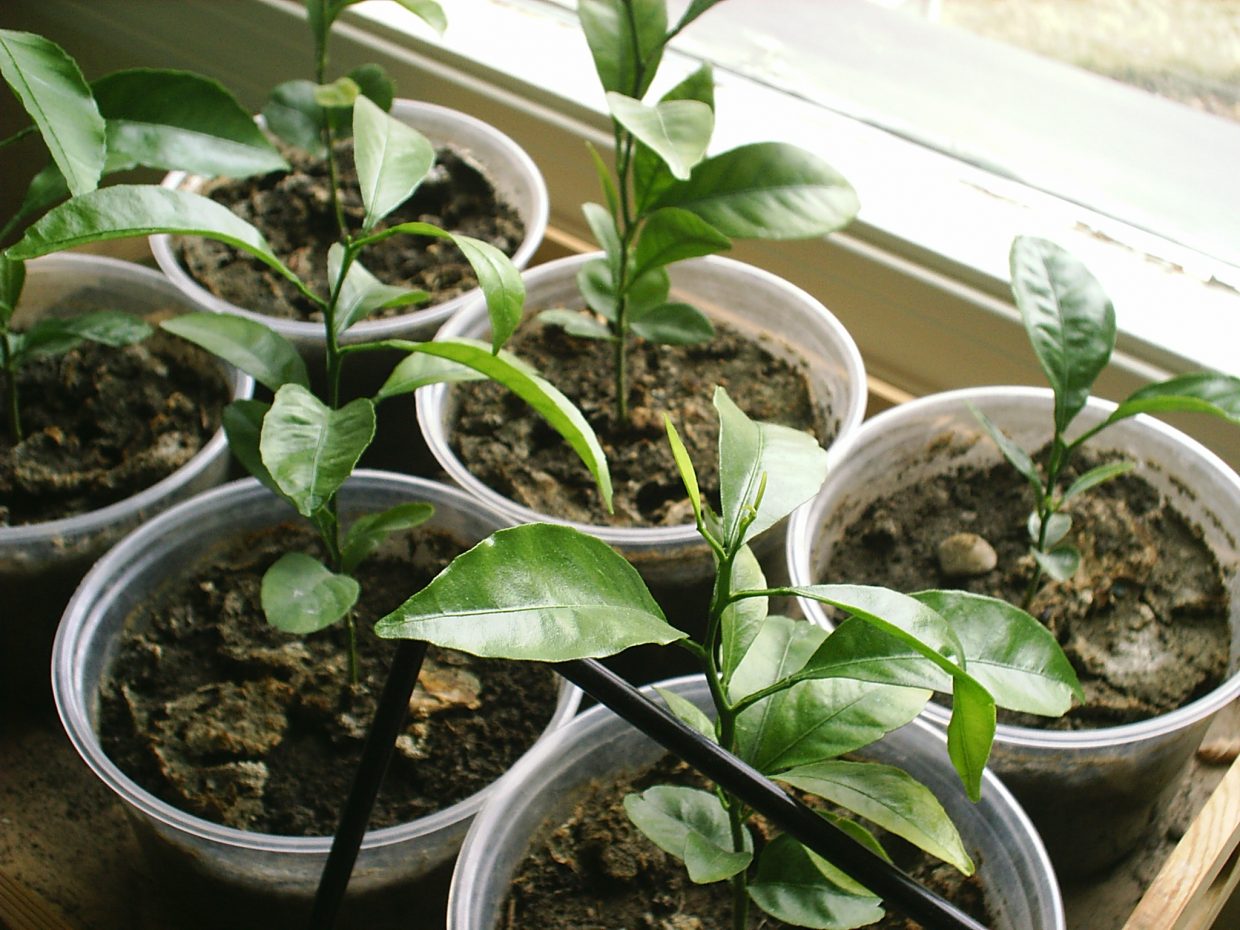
10, 380
355, 671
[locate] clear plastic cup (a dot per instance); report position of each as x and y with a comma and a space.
1092, 793
541, 789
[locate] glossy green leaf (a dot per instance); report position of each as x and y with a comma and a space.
369, 531
255, 348
243, 425
606, 184
860, 650
688, 713
55, 336
540, 591
767, 190
1059, 563
53, 92
128, 210
1011, 654
673, 324
362, 294
741, 620
748, 452
603, 226
309, 448
1091, 479
691, 825
417, 370
177, 120
684, 466
429, 11
671, 235
12, 282
595, 282
1016, 456
1204, 392
301, 595
699, 86
292, 114
338, 95
1058, 525
802, 889
581, 325
678, 131
970, 733
626, 40
1068, 317
554, 407
889, 797
392, 159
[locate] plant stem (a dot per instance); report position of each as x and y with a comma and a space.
10, 379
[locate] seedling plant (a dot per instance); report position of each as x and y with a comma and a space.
134, 118
302, 446
1071, 325
790, 699
665, 199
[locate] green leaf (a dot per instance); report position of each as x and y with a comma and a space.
970, 733
699, 86
672, 234
177, 120
128, 210
678, 131
417, 370
309, 448
688, 713
802, 889
338, 95
1060, 563
741, 620
300, 595
603, 226
673, 324
392, 159
605, 181
1016, 456
428, 11
691, 825
540, 591
1057, 527
370, 530
362, 294
597, 287
292, 114
626, 40
257, 349
53, 92
12, 281
243, 425
581, 325
684, 465
55, 336
748, 452
862, 651
1091, 479
547, 401
889, 797
1203, 392
766, 190
1069, 319
1011, 654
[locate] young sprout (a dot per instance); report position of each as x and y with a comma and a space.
1071, 326
666, 200
140, 117
790, 699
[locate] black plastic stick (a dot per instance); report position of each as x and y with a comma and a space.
767, 798
376, 754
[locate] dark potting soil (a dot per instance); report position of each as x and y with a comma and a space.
597, 871
293, 211
1144, 621
513, 451
211, 709
103, 423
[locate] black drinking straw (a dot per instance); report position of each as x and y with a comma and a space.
377, 752
767, 798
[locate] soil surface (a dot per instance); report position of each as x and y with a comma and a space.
517, 454
597, 871
294, 212
1144, 621
219, 714
103, 423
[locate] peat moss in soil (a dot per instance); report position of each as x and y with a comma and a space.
219, 714
103, 423
1144, 621
518, 455
596, 871
293, 211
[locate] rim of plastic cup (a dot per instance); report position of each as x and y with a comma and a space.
472, 319
805, 520
242, 386
389, 327
112, 572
